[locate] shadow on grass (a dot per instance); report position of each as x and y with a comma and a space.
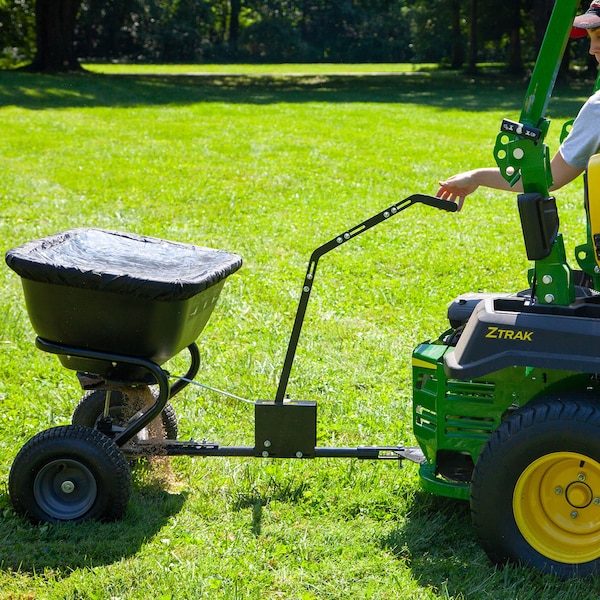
65, 547
443, 90
439, 544
256, 500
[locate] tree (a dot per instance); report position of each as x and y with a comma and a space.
55, 28
515, 58
276, 30
472, 66
458, 48
17, 31
502, 27
234, 25
540, 15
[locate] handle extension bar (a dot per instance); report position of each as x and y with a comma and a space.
337, 241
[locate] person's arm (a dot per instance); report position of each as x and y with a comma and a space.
458, 187
563, 172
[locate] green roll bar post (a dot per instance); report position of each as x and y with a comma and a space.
521, 153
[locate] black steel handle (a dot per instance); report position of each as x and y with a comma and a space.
337, 241
436, 202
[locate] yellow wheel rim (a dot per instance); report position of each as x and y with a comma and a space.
556, 505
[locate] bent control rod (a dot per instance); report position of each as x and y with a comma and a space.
331, 245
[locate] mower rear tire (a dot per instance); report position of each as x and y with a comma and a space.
535, 493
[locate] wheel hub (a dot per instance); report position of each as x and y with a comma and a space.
68, 487
556, 504
579, 494
65, 489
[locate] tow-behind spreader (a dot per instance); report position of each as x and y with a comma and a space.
506, 401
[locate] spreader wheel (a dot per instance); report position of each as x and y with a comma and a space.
90, 409
72, 474
535, 496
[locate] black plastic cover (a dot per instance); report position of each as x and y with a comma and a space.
505, 332
462, 307
122, 263
539, 221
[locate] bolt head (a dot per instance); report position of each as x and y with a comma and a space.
68, 487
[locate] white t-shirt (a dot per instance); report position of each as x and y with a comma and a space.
583, 140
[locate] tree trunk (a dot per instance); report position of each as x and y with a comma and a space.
542, 9
234, 24
55, 27
458, 49
515, 58
472, 63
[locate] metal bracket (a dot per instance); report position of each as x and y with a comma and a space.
529, 133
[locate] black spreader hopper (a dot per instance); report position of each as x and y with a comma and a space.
119, 293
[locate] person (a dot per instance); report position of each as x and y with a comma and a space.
574, 153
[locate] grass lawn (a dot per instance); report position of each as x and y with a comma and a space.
269, 167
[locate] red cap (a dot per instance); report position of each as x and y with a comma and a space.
588, 20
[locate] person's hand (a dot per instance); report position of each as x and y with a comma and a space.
457, 187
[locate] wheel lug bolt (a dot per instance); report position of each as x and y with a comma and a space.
581, 477
574, 514
558, 491
596, 501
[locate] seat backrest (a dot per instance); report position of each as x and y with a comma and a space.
592, 201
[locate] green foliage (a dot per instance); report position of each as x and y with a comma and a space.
269, 167
147, 30
17, 32
329, 31
281, 31
431, 31
273, 40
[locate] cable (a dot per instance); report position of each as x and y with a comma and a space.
212, 389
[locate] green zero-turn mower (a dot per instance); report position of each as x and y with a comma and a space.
506, 402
